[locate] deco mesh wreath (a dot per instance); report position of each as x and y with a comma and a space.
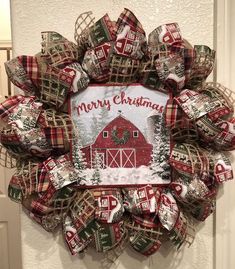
38, 133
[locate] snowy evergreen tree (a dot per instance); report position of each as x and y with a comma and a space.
79, 159
82, 133
99, 121
94, 127
103, 118
97, 165
161, 151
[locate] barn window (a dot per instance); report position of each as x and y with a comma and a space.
135, 133
105, 134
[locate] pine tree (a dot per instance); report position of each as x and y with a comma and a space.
94, 127
103, 118
99, 121
161, 152
97, 165
82, 132
78, 159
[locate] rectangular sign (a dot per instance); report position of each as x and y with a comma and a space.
122, 139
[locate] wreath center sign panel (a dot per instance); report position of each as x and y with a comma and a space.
122, 139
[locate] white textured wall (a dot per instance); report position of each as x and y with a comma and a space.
29, 17
5, 24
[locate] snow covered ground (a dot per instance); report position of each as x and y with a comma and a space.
123, 176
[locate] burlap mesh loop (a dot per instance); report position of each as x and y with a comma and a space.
184, 232
58, 51
55, 86
112, 255
123, 70
85, 203
134, 227
184, 130
6, 159
54, 119
28, 177
82, 25
202, 66
223, 93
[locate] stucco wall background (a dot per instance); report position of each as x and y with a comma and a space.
29, 18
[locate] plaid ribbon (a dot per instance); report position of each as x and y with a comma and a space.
18, 75
172, 112
149, 77
9, 104
57, 50
10, 140
31, 67
131, 39
127, 17
189, 56
82, 212
182, 232
56, 138
123, 69
202, 66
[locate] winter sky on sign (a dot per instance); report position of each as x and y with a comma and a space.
98, 105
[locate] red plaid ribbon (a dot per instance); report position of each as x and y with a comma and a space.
31, 68
18, 75
127, 17
172, 112
8, 105
11, 141
131, 39
55, 137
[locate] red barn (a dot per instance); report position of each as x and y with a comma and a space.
119, 144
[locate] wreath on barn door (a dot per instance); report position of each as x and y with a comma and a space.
48, 179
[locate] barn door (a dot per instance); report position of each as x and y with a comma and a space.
114, 158
128, 158
125, 158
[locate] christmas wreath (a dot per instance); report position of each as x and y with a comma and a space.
38, 131
120, 140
